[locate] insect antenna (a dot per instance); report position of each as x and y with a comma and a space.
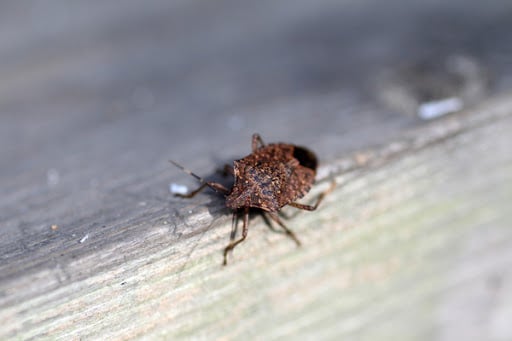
188, 171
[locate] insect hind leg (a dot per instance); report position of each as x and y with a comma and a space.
318, 200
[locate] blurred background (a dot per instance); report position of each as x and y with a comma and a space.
136, 83
96, 96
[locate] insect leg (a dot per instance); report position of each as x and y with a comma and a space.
227, 170
232, 244
268, 223
289, 232
234, 225
191, 194
256, 139
213, 185
318, 200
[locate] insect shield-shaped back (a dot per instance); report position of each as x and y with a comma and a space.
272, 177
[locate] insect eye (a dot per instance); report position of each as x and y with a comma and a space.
305, 157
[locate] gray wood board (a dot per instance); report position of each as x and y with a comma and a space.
96, 98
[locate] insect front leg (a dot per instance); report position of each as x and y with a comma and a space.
234, 226
214, 185
232, 244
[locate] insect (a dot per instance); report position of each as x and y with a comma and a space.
271, 177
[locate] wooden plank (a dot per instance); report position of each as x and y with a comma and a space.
410, 241
413, 244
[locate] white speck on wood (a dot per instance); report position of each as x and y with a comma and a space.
433, 109
84, 238
178, 189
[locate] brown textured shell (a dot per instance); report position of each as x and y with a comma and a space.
272, 177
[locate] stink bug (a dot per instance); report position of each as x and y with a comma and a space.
272, 176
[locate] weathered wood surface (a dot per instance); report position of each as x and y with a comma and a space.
415, 242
